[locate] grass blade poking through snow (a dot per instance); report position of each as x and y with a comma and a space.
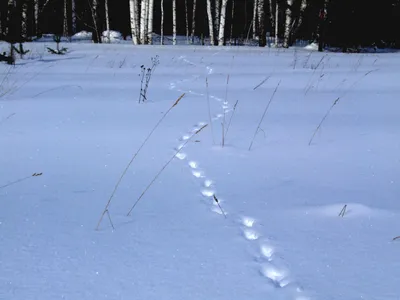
209, 111
131, 161
265, 111
323, 119
219, 205
21, 179
163, 168
230, 119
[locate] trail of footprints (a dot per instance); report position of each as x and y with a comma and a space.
271, 266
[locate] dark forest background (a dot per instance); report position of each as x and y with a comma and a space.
349, 22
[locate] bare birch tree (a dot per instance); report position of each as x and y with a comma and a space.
95, 16
254, 21
150, 22
162, 23
221, 37
288, 24
133, 18
232, 21
65, 19
143, 21
276, 23
210, 22
217, 14
193, 20
174, 22
262, 39
187, 22
24, 20
73, 16
107, 21
36, 16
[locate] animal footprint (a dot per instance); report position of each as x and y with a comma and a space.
181, 155
207, 193
180, 147
267, 251
277, 276
185, 138
248, 222
197, 174
250, 234
193, 164
208, 183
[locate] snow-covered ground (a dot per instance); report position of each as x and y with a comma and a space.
76, 119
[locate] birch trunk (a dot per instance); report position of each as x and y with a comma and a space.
133, 17
142, 21
174, 22
193, 20
73, 16
210, 22
65, 24
276, 24
272, 13
262, 39
221, 37
303, 7
288, 23
232, 20
321, 26
146, 23
36, 16
187, 22
107, 21
150, 23
217, 13
255, 19
24, 21
96, 36
162, 23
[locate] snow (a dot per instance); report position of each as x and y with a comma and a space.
275, 232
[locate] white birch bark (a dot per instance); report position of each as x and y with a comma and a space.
221, 36
107, 21
95, 17
210, 22
73, 16
288, 23
143, 21
261, 23
24, 21
162, 23
174, 22
276, 24
146, 23
193, 21
36, 16
255, 7
232, 21
303, 7
133, 16
150, 22
187, 22
65, 20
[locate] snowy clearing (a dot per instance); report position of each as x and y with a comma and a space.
76, 119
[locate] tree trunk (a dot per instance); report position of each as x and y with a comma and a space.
174, 22
107, 21
146, 23
262, 39
193, 20
65, 24
232, 21
150, 22
73, 16
288, 24
255, 19
133, 15
321, 27
96, 34
24, 21
143, 21
10, 11
210, 22
221, 37
217, 13
36, 16
162, 23
187, 22
276, 24
294, 31
272, 13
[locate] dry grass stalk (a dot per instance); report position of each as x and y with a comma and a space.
261, 83
219, 205
343, 211
20, 180
163, 168
265, 111
131, 161
396, 238
230, 120
323, 119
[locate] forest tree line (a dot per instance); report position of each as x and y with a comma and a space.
342, 23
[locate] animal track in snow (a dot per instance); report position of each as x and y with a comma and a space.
248, 222
250, 234
267, 251
207, 193
193, 164
277, 276
197, 174
181, 155
185, 137
208, 183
